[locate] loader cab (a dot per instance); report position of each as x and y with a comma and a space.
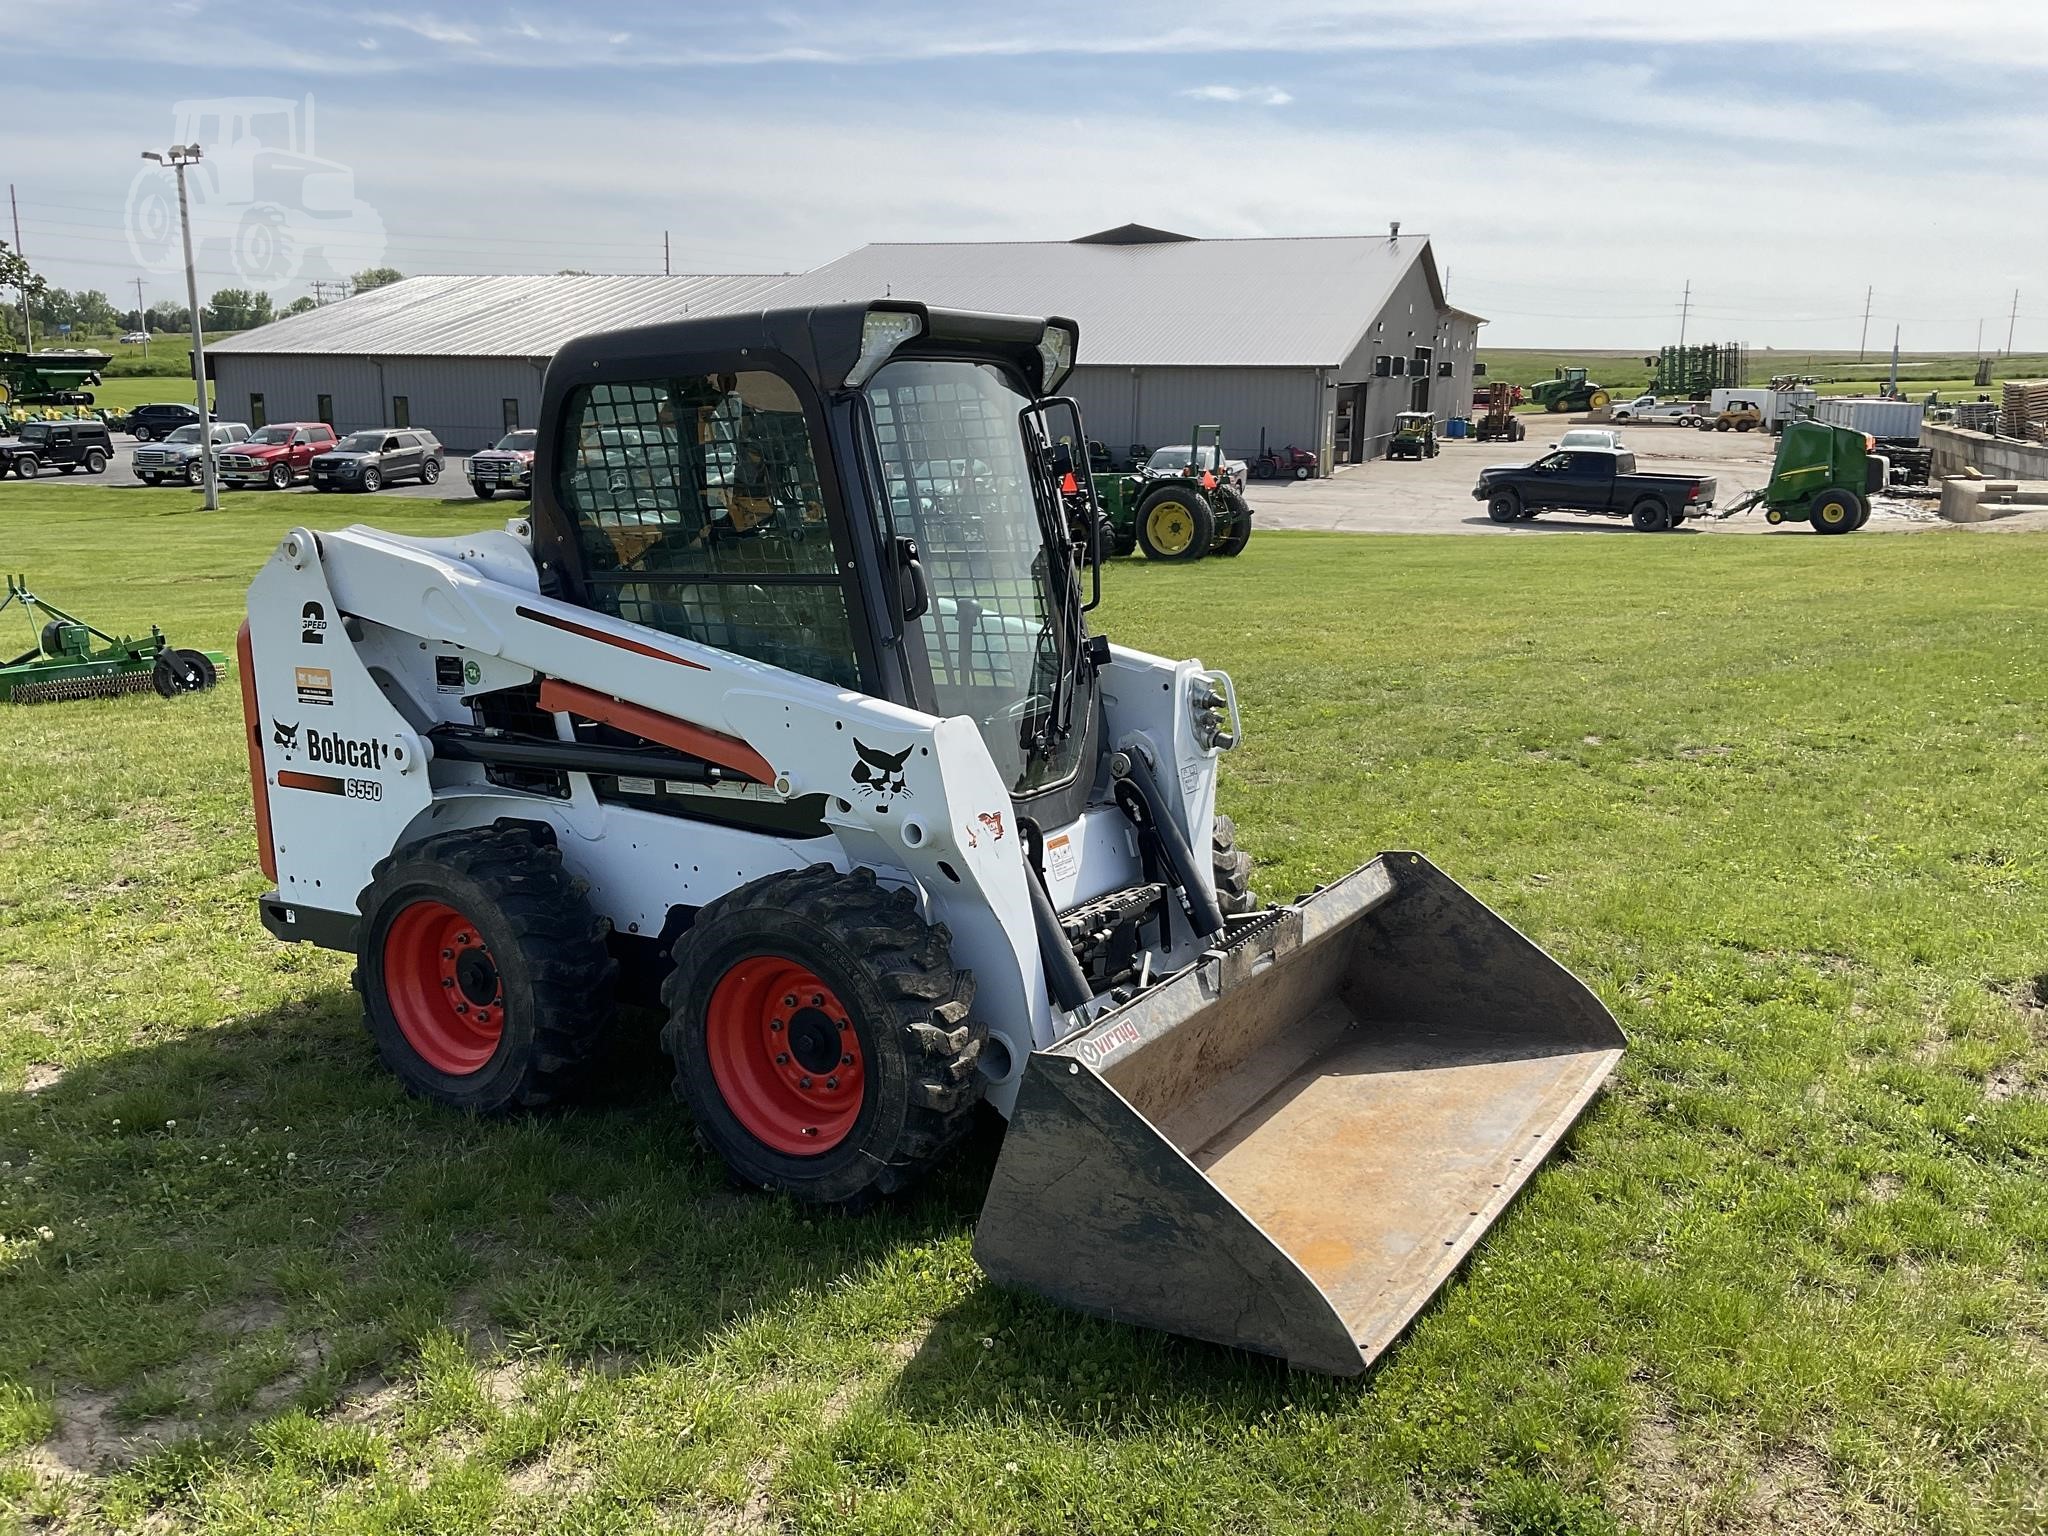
869, 495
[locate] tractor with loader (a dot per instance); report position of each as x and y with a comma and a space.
780, 709
1822, 474
1570, 390
1181, 503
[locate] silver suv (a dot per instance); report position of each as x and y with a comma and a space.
177, 456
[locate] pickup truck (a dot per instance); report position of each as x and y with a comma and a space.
179, 456
275, 456
1686, 413
1598, 482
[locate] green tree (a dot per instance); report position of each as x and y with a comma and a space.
375, 277
299, 305
15, 274
237, 309
164, 316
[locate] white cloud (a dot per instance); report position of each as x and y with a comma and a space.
1261, 95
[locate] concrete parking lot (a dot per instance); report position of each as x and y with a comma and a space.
1435, 495
121, 476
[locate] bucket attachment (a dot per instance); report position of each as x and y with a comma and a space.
1291, 1145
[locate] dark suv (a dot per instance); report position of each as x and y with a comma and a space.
151, 421
60, 445
369, 461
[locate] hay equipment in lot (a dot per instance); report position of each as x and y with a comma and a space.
1181, 503
65, 664
1822, 474
780, 711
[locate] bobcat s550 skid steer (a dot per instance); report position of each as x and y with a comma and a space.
784, 698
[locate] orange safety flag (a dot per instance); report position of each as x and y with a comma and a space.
1208, 481
1068, 486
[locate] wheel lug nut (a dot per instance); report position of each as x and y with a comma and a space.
782, 1058
831, 1082
775, 1024
846, 1061
447, 981
447, 954
462, 1007
817, 999
789, 1001
803, 1082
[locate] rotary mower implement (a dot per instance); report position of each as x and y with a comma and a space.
64, 663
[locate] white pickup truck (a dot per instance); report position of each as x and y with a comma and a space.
1686, 413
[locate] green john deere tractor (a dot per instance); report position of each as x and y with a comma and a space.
1181, 504
65, 664
1823, 474
1571, 390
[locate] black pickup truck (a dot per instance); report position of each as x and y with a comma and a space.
1599, 482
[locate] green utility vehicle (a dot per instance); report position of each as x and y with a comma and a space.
1414, 436
1571, 390
1181, 504
1824, 475
64, 663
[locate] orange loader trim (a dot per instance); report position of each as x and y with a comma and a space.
252, 731
698, 741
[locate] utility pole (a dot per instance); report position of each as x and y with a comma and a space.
142, 319
1863, 341
28, 329
664, 254
1980, 338
2009, 324
178, 157
1684, 311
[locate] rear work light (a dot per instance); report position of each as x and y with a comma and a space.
881, 333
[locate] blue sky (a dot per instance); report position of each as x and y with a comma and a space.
1576, 164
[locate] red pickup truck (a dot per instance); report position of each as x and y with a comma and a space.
275, 456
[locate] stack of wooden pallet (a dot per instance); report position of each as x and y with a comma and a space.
2026, 412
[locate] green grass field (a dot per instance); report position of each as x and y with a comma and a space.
1780, 802
1625, 374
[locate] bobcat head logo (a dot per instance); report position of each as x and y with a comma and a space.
879, 773
993, 821
286, 736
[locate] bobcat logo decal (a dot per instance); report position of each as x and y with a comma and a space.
879, 773
286, 736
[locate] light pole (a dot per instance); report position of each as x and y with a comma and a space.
177, 157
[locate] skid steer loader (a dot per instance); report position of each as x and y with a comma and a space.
783, 701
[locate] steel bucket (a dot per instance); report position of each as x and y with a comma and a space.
1290, 1146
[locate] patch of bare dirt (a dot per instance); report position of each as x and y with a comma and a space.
88, 1438
41, 1075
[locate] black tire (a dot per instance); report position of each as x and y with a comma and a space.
1835, 510
1864, 516
280, 477
195, 473
1232, 543
1302, 472
1105, 535
890, 975
1505, 507
373, 478
430, 471
1650, 516
95, 462
540, 943
1265, 469
141, 434
27, 466
1233, 868
484, 492
183, 672
1194, 505
1721, 426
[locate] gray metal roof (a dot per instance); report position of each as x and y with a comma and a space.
495, 316
1301, 302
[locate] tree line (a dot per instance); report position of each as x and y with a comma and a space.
89, 312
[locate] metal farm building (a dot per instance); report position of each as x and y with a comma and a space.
1318, 342
459, 356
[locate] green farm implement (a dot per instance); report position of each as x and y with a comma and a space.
1179, 505
48, 386
1823, 475
65, 664
1571, 390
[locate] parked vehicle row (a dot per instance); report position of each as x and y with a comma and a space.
181, 456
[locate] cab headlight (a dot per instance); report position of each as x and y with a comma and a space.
1055, 355
881, 333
